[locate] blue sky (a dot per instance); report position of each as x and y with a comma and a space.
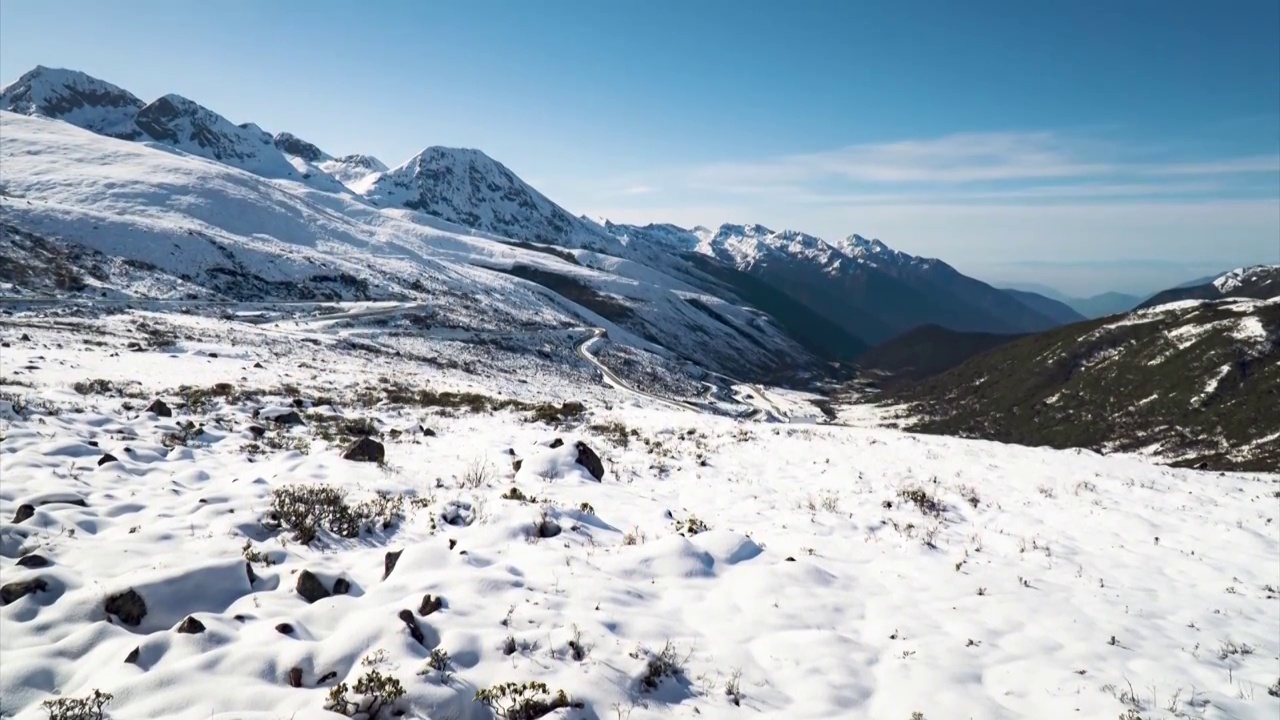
1085, 144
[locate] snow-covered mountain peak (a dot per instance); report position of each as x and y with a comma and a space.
291, 144
74, 97
876, 252
467, 187
1234, 279
189, 126
354, 171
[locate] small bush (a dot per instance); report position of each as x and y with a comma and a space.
374, 692
523, 701
439, 662
478, 474
552, 414
85, 708
517, 494
923, 500
254, 556
693, 526
615, 432
666, 663
306, 509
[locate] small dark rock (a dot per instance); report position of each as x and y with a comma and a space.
295, 677
517, 464
91, 443
428, 432
389, 562
213, 355
452, 543
191, 626
24, 337
284, 629
547, 528
310, 587
159, 407
257, 430
366, 449
132, 657
128, 606
790, 559
257, 365
106, 458
15, 590
287, 418
33, 561
430, 604
25, 512
588, 459
341, 586
556, 443
240, 618
327, 677
406, 616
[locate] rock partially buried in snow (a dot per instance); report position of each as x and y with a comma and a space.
17, 590
389, 562
25, 512
281, 416
310, 587
341, 586
106, 458
128, 606
366, 449
406, 616
556, 443
588, 459
34, 561
159, 407
191, 626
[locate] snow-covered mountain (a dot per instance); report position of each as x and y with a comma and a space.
471, 189
76, 98
1259, 282
351, 170
126, 219
192, 128
868, 288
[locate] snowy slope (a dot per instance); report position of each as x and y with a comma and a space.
800, 572
228, 233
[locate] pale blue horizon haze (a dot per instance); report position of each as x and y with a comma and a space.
1087, 146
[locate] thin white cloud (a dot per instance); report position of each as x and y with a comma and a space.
960, 159
637, 190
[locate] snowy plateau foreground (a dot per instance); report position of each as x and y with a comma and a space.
722, 568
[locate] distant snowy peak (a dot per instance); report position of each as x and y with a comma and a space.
189, 126
76, 98
876, 252
745, 245
352, 170
1240, 277
291, 144
654, 235
467, 187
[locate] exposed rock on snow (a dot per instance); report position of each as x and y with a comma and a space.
365, 449
310, 587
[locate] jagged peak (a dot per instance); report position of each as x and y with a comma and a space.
291, 144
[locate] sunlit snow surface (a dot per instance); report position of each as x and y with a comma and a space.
1067, 579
